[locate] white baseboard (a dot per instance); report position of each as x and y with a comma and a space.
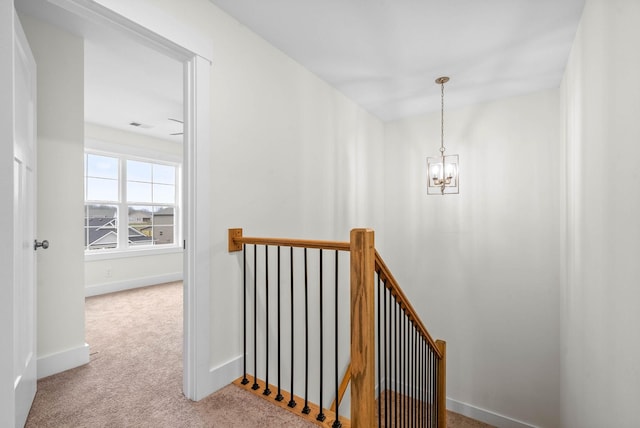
485, 416
55, 363
112, 287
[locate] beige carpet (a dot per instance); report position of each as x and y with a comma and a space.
134, 378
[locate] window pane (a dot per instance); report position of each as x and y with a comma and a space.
163, 221
164, 174
164, 194
101, 227
138, 192
149, 199
102, 167
138, 171
102, 189
140, 225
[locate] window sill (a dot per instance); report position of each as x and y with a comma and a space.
137, 252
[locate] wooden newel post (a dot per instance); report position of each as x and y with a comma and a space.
363, 400
442, 384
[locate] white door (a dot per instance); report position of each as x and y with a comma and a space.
22, 326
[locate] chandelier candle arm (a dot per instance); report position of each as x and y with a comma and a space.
442, 171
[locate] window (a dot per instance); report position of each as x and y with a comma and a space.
130, 203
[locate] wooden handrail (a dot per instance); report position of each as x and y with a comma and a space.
343, 388
392, 284
236, 240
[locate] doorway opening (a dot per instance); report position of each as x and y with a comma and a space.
133, 166
135, 25
133, 151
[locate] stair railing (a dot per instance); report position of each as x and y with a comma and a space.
389, 345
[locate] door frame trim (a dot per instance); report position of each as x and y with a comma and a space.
165, 34
7, 392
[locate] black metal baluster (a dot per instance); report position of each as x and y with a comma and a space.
392, 340
244, 313
419, 384
427, 382
434, 396
321, 416
435, 387
428, 385
292, 402
405, 371
390, 356
386, 359
407, 395
427, 365
306, 408
255, 318
410, 379
421, 381
423, 376
379, 316
401, 364
279, 396
429, 392
414, 376
419, 368
336, 423
395, 360
409, 373
266, 391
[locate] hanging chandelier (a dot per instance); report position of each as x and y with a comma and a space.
442, 170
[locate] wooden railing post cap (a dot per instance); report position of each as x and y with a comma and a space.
361, 230
233, 235
368, 234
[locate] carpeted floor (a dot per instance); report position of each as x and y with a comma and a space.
134, 378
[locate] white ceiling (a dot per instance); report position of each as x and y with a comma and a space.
386, 54
383, 54
126, 82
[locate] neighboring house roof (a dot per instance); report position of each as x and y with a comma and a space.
103, 231
102, 237
100, 222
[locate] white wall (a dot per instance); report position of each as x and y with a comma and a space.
124, 272
59, 58
600, 316
131, 271
290, 156
483, 267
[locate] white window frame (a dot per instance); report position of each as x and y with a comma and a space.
123, 153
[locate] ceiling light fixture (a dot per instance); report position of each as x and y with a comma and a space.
442, 171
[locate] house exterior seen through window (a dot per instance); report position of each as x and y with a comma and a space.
129, 203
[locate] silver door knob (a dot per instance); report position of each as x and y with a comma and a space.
44, 244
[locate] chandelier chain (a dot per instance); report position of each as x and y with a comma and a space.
442, 118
